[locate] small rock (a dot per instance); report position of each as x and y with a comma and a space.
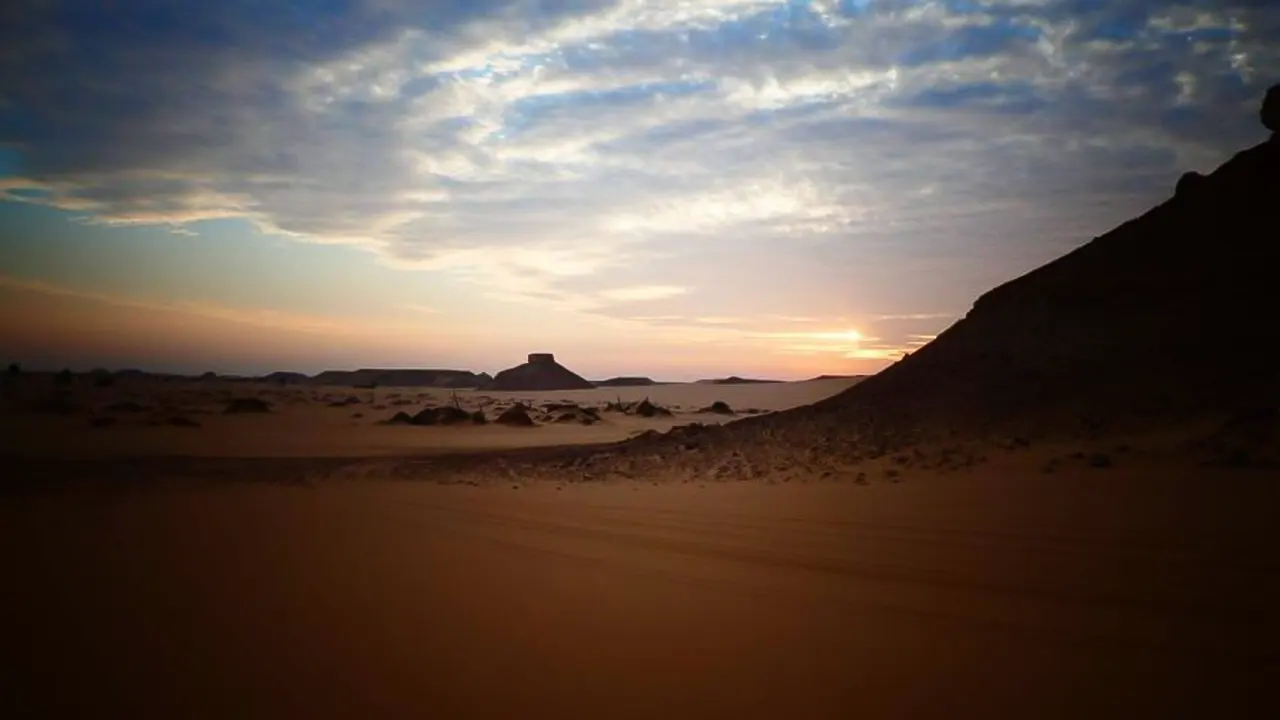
515, 416
247, 405
718, 407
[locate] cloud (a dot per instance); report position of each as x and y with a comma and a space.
423, 309
257, 317
527, 146
643, 292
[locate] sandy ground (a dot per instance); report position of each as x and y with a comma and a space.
309, 564
1145, 590
304, 424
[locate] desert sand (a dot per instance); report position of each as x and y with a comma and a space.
1146, 589
1066, 506
37, 419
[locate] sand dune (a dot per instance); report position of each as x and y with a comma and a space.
1073, 596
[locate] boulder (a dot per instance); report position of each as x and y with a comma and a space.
515, 416
239, 406
647, 409
400, 418
718, 407
447, 415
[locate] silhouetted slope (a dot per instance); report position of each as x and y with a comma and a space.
1169, 317
1170, 313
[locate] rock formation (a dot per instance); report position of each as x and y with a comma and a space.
626, 382
1136, 328
1130, 325
1269, 114
541, 372
1188, 183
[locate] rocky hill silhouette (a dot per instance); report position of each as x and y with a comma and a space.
541, 372
1167, 316
1166, 319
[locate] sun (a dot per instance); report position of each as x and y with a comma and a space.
837, 336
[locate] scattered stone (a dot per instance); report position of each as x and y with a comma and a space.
247, 405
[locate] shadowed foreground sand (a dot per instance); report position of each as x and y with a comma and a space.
1129, 592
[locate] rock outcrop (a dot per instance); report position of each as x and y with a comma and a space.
1269, 114
1188, 184
541, 372
1136, 323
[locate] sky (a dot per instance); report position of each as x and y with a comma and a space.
672, 188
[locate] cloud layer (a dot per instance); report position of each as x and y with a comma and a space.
550, 150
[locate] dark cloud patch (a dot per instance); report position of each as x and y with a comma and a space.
147, 84
1018, 98
972, 41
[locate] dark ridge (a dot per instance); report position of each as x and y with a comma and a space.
1160, 318
384, 377
625, 382
1165, 320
